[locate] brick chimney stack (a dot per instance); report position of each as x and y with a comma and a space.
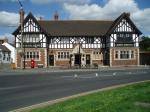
56, 16
21, 13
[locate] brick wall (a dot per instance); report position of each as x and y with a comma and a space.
41, 60
124, 62
99, 62
62, 63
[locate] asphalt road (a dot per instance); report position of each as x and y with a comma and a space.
17, 91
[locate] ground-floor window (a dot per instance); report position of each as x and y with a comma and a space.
97, 55
32, 55
124, 54
63, 55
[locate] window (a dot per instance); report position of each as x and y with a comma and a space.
32, 55
97, 54
63, 55
124, 38
132, 54
58, 55
126, 54
68, 55
4, 56
89, 40
8, 58
37, 56
31, 38
27, 53
116, 55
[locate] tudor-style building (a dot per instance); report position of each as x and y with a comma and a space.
78, 42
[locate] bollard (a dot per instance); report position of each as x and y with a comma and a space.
96, 74
75, 75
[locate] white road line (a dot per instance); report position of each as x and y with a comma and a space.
67, 76
15, 87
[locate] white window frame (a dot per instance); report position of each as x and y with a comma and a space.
63, 55
30, 53
130, 52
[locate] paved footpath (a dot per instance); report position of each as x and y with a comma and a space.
8, 71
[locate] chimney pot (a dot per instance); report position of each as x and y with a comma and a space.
56, 16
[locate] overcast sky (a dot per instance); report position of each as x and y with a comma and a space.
74, 9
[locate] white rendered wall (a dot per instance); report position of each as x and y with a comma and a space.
12, 49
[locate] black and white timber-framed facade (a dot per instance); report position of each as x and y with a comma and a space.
78, 42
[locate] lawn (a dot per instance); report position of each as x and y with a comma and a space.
116, 100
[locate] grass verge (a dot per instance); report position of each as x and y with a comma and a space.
115, 100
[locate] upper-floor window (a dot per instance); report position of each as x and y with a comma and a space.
89, 40
124, 38
31, 38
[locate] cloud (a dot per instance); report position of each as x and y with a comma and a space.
111, 10
9, 0
94, 11
9, 36
141, 17
60, 1
9, 18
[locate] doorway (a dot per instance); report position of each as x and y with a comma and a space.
88, 59
51, 60
77, 59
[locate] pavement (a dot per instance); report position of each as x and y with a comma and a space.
6, 69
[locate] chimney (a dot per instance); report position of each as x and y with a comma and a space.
21, 12
128, 14
6, 39
41, 18
56, 16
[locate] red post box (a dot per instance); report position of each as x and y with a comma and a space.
32, 63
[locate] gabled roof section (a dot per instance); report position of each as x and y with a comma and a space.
4, 48
76, 27
118, 20
30, 15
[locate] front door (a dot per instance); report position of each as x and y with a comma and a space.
51, 60
77, 59
88, 59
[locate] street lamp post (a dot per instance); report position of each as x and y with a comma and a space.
79, 55
22, 51
21, 24
24, 65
